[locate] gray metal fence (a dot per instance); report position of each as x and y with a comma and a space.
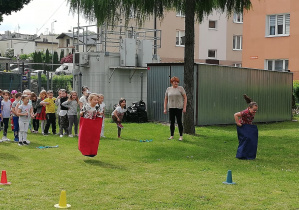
10, 81
219, 92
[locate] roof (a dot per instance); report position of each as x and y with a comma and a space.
89, 39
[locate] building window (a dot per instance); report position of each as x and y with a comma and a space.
237, 42
212, 54
238, 18
67, 42
132, 13
180, 14
277, 65
278, 25
180, 38
212, 24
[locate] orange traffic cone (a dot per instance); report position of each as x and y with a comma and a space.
62, 201
4, 179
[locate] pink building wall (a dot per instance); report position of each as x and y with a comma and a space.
257, 47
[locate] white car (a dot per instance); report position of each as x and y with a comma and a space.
35, 72
66, 68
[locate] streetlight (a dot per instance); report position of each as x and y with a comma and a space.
52, 33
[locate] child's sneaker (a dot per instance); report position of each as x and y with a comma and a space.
46, 134
16, 139
20, 143
120, 125
25, 143
4, 138
60, 136
71, 136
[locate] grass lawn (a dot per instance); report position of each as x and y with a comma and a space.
162, 174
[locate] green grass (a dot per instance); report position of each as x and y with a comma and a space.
163, 174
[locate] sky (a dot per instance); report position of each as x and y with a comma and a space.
38, 16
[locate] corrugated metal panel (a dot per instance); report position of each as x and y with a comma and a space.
220, 92
159, 78
221, 89
178, 71
157, 83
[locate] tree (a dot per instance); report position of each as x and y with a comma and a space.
55, 58
9, 52
39, 60
7, 7
61, 55
111, 10
47, 60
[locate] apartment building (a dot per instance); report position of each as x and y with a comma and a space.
220, 39
27, 43
271, 36
21, 43
217, 39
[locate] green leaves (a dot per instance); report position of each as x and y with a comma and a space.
7, 7
113, 10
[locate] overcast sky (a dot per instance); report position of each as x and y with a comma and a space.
38, 15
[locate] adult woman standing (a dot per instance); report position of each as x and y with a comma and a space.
175, 97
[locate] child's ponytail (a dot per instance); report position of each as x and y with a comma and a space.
249, 101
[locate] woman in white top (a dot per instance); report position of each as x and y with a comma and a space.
176, 99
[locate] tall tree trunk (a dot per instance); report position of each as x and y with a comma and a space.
189, 126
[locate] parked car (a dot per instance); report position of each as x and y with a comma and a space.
66, 68
14, 66
35, 72
18, 70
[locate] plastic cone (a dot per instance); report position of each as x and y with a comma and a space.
4, 179
62, 201
229, 179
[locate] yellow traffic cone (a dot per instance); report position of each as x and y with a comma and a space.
62, 201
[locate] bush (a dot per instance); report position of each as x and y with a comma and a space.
296, 89
59, 82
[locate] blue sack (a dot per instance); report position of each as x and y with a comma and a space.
248, 139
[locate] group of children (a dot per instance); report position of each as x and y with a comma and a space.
22, 107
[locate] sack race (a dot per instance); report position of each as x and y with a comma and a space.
89, 136
248, 139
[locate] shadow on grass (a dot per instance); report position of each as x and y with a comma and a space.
104, 165
7, 156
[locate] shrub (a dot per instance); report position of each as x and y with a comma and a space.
296, 89
59, 81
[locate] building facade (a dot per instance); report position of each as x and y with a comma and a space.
26, 43
217, 39
220, 39
271, 34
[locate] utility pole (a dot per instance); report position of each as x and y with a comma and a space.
52, 34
